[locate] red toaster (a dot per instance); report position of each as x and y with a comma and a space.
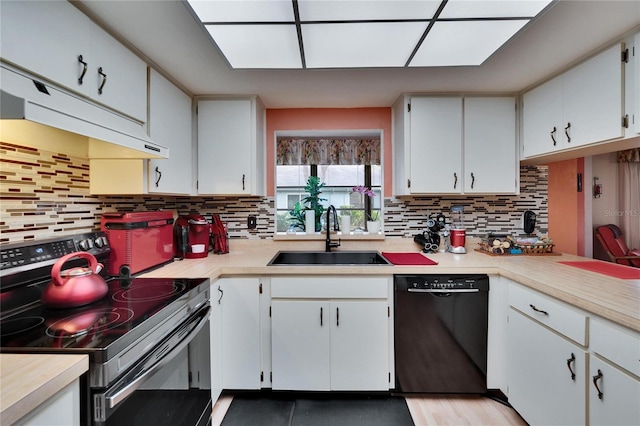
138, 240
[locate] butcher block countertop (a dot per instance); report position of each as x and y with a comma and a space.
615, 299
29, 380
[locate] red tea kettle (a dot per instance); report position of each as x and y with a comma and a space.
76, 286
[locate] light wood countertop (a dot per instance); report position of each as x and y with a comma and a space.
29, 380
614, 299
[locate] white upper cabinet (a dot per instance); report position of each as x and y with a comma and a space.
170, 124
436, 145
56, 41
632, 86
231, 147
455, 145
582, 106
490, 157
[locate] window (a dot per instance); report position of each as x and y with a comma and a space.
341, 164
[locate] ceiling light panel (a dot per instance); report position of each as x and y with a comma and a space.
460, 9
362, 10
258, 46
360, 45
464, 42
243, 10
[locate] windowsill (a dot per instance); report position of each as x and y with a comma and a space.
319, 236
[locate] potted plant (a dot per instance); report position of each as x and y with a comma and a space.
310, 202
373, 222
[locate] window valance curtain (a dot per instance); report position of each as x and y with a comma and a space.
629, 156
304, 151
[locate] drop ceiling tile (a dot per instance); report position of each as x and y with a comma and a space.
492, 8
464, 43
243, 10
360, 45
341, 10
258, 46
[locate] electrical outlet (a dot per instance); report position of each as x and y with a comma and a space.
252, 222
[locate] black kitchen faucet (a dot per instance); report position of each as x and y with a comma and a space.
328, 244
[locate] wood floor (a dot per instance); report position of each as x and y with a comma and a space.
456, 410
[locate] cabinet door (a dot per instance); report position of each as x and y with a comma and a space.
170, 125
541, 388
300, 345
224, 146
44, 38
634, 69
117, 77
592, 99
241, 363
542, 118
620, 395
490, 163
47, 39
359, 345
436, 145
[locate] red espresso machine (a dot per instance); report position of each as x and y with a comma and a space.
192, 234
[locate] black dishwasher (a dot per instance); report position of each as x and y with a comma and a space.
441, 333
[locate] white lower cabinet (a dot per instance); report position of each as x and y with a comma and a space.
235, 334
614, 375
616, 399
62, 409
547, 343
333, 337
541, 365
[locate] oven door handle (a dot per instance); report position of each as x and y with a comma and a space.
425, 290
154, 361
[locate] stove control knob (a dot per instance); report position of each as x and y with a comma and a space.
100, 242
86, 245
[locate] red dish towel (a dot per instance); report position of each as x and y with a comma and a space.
606, 268
408, 258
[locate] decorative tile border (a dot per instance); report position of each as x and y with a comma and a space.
45, 194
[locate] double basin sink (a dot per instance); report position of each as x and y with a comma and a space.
328, 258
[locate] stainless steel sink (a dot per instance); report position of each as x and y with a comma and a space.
328, 258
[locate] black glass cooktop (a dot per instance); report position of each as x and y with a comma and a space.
32, 327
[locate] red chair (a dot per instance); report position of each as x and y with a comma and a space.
612, 240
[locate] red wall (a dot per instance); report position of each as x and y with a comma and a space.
566, 207
329, 119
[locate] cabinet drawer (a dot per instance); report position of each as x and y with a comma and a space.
615, 343
550, 312
319, 287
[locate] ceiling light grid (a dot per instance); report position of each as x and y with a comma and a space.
320, 34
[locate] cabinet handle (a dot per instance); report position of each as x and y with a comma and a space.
595, 383
539, 310
566, 132
84, 69
243, 176
553, 135
473, 180
569, 362
320, 317
455, 180
221, 294
159, 176
104, 80
337, 317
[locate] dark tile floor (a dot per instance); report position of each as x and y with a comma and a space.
314, 410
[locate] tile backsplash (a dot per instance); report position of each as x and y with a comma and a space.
46, 194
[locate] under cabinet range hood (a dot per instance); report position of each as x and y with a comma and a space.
29, 102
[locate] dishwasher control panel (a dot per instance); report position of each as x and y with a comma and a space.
441, 282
